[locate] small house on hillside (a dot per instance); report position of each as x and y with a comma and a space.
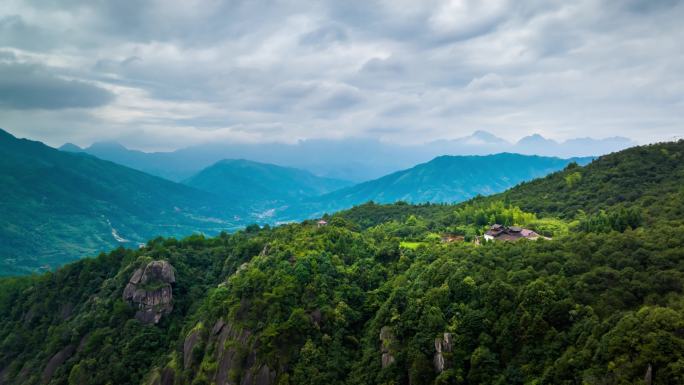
321, 223
512, 233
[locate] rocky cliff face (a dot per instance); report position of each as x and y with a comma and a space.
150, 289
443, 345
234, 351
164, 377
56, 360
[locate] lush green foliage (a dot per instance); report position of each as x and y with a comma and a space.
598, 304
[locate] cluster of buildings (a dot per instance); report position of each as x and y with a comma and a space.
510, 233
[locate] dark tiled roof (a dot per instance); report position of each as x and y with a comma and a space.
512, 233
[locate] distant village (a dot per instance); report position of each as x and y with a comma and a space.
511, 233
496, 232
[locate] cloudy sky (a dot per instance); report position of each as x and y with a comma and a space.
167, 74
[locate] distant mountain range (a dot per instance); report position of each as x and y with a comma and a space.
61, 205
443, 179
356, 160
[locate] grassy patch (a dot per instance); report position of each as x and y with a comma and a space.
410, 245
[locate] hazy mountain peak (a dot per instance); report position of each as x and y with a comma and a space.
107, 145
486, 137
70, 147
535, 139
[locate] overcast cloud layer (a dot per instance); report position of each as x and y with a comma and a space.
167, 74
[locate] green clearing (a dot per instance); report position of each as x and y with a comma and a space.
410, 245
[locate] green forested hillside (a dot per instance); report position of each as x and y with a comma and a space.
374, 297
443, 179
650, 177
261, 185
57, 207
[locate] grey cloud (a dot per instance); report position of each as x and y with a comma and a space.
345, 68
324, 36
383, 66
399, 110
15, 32
30, 86
185, 23
413, 22
7, 55
339, 98
641, 6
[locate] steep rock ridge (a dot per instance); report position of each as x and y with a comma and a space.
233, 350
165, 376
443, 345
150, 288
386, 343
236, 354
58, 359
192, 340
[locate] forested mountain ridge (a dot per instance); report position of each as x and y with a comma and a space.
444, 179
374, 297
260, 184
59, 206
651, 177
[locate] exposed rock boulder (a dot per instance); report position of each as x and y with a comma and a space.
58, 359
443, 345
386, 343
150, 289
